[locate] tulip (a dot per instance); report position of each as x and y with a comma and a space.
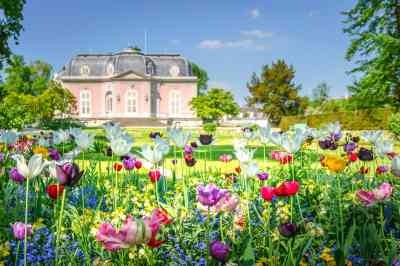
383, 147
68, 174
287, 189
194, 144
381, 169
276, 155
372, 136
205, 139
286, 159
121, 146
54, 191
188, 149
33, 168
178, 136
364, 170
268, 193
154, 175
16, 176
210, 194
155, 154
138, 164
353, 157
154, 135
19, 230
264, 133
84, 140
118, 167
8, 137
226, 158
380, 194
54, 154
60, 136
365, 154
1, 157
228, 203
190, 161
263, 176
349, 147
219, 250
129, 163
288, 229
238, 169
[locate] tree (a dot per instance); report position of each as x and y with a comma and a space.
275, 93
29, 95
374, 28
202, 78
213, 105
320, 93
10, 26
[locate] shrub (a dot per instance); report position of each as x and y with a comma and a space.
371, 119
394, 124
209, 127
60, 123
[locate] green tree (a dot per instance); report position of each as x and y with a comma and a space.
29, 95
10, 26
320, 93
202, 78
275, 93
213, 105
374, 29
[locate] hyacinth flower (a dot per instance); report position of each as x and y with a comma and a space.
133, 232
369, 198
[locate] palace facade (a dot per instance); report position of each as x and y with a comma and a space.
130, 84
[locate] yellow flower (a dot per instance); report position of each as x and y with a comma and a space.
38, 224
334, 163
41, 150
5, 250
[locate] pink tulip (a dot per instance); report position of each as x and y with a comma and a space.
227, 203
371, 197
384, 191
276, 155
19, 230
366, 197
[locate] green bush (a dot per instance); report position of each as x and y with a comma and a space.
60, 123
366, 119
209, 127
394, 124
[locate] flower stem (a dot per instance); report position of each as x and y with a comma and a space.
26, 221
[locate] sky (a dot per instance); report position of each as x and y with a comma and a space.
230, 39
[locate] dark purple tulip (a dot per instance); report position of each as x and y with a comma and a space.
109, 152
129, 163
210, 194
365, 154
337, 136
263, 176
194, 145
355, 139
205, 139
190, 162
174, 162
324, 144
349, 147
154, 135
69, 174
219, 250
16, 176
288, 229
54, 154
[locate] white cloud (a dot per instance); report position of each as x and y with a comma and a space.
256, 33
219, 44
255, 13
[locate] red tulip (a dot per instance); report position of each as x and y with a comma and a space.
138, 164
118, 167
54, 191
287, 189
154, 175
364, 170
238, 170
353, 157
267, 193
162, 216
286, 159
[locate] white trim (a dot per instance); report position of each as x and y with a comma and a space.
175, 103
135, 99
85, 93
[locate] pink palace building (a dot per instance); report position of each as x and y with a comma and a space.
130, 84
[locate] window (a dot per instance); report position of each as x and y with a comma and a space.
174, 102
131, 101
85, 102
109, 102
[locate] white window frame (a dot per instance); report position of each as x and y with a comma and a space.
175, 102
106, 97
135, 100
85, 102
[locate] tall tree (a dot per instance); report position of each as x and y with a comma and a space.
275, 93
213, 105
10, 26
202, 78
320, 93
374, 29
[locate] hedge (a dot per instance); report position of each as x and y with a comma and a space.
366, 119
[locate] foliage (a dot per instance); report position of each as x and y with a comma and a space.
10, 26
394, 124
213, 105
377, 118
60, 123
209, 127
320, 93
202, 78
29, 95
275, 92
374, 28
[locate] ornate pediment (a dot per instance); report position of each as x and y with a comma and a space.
129, 75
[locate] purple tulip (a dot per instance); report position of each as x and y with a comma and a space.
219, 250
210, 194
194, 145
69, 174
174, 162
188, 149
54, 154
263, 176
16, 176
129, 163
205, 139
19, 230
349, 147
288, 229
365, 154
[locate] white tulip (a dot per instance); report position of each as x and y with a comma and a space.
84, 140
33, 168
60, 136
178, 136
396, 166
264, 133
372, 136
8, 136
121, 146
383, 147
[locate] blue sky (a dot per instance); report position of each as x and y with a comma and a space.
230, 39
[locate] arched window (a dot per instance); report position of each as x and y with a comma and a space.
109, 102
131, 101
150, 67
85, 102
175, 104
